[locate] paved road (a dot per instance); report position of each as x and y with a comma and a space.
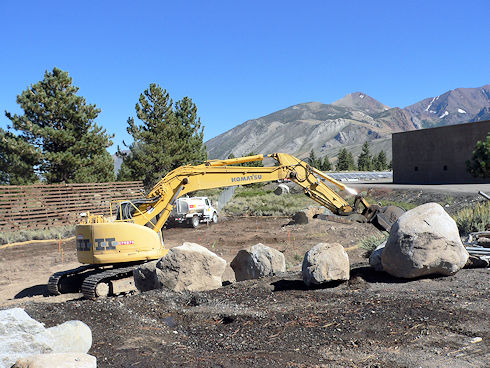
457, 188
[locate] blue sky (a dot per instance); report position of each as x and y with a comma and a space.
240, 60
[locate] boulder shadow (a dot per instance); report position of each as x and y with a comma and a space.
368, 274
287, 285
33, 291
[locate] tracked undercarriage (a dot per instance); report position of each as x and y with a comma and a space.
94, 281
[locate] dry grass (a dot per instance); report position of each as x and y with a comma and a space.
37, 234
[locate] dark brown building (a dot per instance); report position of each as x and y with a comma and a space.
437, 155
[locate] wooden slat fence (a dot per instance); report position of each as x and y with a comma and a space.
42, 206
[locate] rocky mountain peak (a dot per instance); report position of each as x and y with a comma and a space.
361, 101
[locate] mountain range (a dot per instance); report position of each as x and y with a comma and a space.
348, 122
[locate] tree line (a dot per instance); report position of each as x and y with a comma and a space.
345, 161
56, 138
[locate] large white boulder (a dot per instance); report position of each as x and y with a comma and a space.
58, 360
325, 262
190, 267
76, 337
22, 336
424, 241
257, 261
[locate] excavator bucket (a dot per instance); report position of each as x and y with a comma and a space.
385, 217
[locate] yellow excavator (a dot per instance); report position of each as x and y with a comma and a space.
111, 248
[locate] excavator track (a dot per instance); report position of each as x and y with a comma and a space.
91, 283
55, 280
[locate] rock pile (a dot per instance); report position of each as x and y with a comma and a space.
22, 337
325, 262
257, 261
424, 241
187, 267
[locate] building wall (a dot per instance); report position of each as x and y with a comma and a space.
437, 155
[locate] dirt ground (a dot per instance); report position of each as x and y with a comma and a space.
373, 320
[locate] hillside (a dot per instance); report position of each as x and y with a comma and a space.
348, 122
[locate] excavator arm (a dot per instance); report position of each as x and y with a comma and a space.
221, 173
135, 234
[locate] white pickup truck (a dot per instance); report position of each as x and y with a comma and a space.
192, 211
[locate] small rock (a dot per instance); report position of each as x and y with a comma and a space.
325, 262
257, 261
281, 189
300, 218
476, 262
375, 257
190, 267
424, 241
475, 340
58, 360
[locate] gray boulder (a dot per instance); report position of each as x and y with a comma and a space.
325, 262
281, 189
257, 261
145, 277
375, 257
424, 241
190, 267
58, 360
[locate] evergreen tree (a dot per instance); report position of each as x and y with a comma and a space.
351, 164
365, 161
479, 166
60, 126
342, 160
17, 160
166, 138
379, 162
326, 165
313, 160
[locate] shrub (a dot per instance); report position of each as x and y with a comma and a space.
473, 219
370, 243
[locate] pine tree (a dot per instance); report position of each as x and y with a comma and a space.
379, 161
342, 160
313, 160
365, 161
326, 165
165, 139
17, 160
60, 126
351, 164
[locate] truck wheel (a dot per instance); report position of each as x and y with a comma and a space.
195, 221
214, 218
